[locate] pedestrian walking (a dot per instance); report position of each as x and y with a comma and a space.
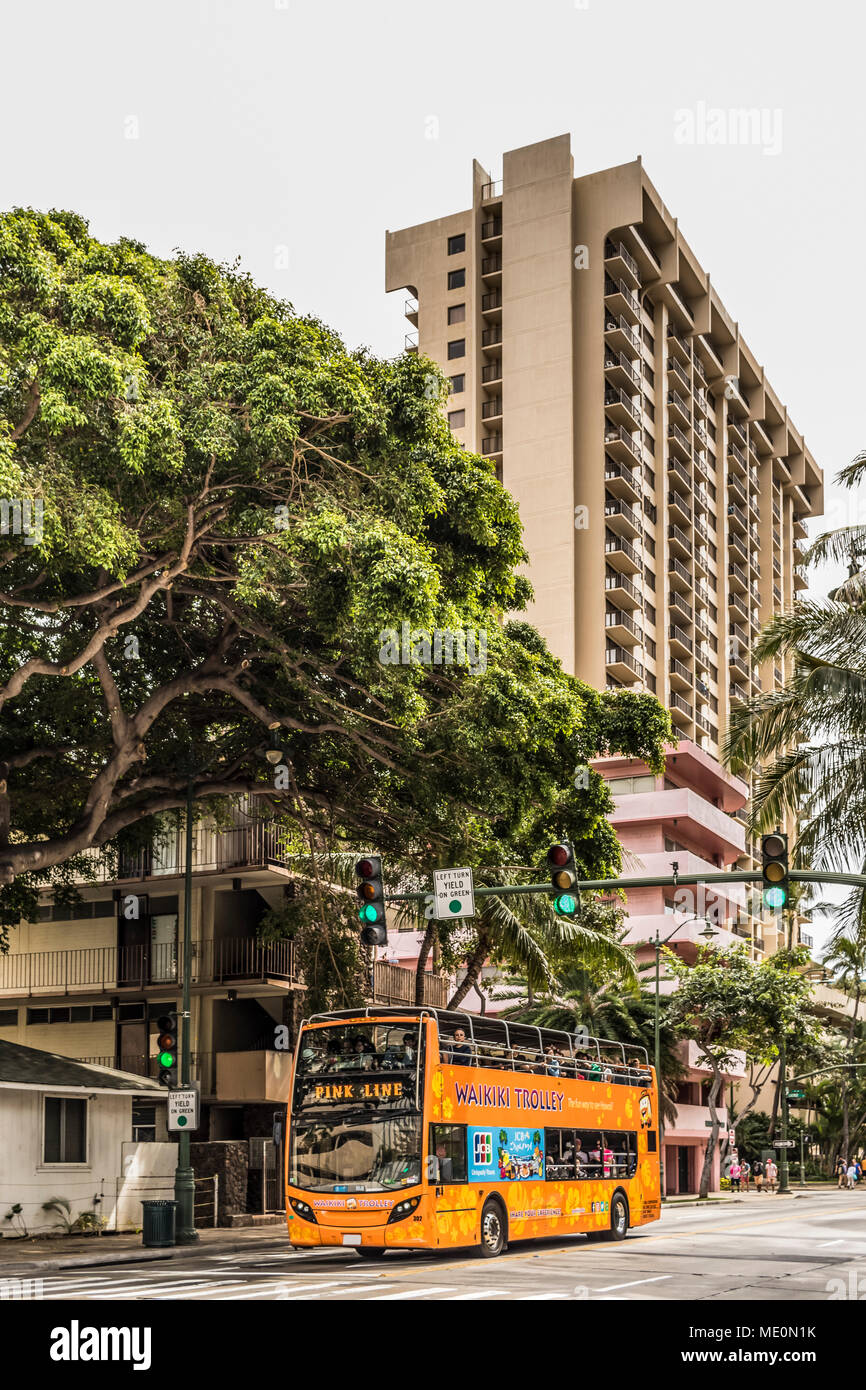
841, 1172
852, 1175
758, 1174
734, 1173
859, 1168
771, 1173
745, 1173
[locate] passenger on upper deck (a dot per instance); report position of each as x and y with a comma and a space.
459, 1051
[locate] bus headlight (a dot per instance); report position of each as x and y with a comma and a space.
303, 1209
403, 1209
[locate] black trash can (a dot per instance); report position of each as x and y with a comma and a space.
157, 1223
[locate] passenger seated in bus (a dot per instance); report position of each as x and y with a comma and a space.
400, 1056
361, 1056
333, 1055
458, 1051
554, 1066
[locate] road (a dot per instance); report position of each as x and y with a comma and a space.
765, 1248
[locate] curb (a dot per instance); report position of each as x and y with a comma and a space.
183, 1252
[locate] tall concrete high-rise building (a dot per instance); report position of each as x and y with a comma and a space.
661, 483
662, 486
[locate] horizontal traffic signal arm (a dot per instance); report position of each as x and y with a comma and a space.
601, 885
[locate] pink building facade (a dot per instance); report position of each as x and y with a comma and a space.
687, 817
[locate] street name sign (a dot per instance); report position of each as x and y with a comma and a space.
453, 894
183, 1110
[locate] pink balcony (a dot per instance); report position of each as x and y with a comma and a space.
693, 1123
696, 817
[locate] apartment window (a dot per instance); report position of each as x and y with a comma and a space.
458, 384
625, 786
651, 614
648, 577
8, 1018
456, 244
457, 313
651, 682
65, 1130
649, 546
649, 476
457, 419
649, 375
649, 411
456, 279
143, 1123
456, 348
649, 340
674, 846
650, 648
649, 509
649, 442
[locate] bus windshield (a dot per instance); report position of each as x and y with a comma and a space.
356, 1153
374, 1066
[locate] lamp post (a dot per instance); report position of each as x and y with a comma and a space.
660, 941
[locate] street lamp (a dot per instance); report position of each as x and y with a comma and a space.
708, 933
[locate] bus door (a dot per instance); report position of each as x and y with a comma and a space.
455, 1199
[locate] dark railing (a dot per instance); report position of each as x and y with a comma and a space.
111, 967
259, 843
394, 984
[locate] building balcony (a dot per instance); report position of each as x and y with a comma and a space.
737, 517
622, 481
739, 670
620, 555
491, 337
491, 304
680, 642
680, 608
680, 677
678, 345
707, 826
492, 409
491, 231
738, 579
620, 263
736, 605
679, 576
679, 543
619, 627
678, 443
800, 580
491, 372
644, 253
736, 432
619, 334
98, 969
259, 845
737, 459
621, 590
621, 518
491, 445
622, 664
736, 492
491, 268
710, 357
619, 445
681, 711
620, 301
761, 436
410, 342
678, 409
620, 371
620, 408
410, 311
678, 509
672, 295
693, 1122
679, 476
677, 368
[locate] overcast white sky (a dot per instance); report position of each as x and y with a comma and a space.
292, 133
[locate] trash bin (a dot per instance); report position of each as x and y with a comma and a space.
157, 1223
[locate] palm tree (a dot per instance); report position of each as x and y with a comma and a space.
845, 958
810, 737
584, 997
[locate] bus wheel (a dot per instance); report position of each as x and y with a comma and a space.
618, 1221
370, 1252
493, 1229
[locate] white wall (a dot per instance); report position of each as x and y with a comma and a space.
147, 1173
26, 1179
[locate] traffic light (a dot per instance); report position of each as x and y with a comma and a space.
774, 870
563, 877
167, 1049
374, 932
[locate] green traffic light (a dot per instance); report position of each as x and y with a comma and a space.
565, 905
775, 898
166, 1059
369, 914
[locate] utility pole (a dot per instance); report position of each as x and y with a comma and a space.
783, 1082
184, 1178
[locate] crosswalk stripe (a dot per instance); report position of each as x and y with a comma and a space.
412, 1293
479, 1293
530, 1297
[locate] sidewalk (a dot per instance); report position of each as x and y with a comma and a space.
77, 1252
686, 1199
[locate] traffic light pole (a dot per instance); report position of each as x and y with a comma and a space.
611, 885
184, 1178
783, 1082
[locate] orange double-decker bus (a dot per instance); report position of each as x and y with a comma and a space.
430, 1129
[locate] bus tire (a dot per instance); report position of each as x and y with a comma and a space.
494, 1229
619, 1220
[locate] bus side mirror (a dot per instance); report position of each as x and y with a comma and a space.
278, 1128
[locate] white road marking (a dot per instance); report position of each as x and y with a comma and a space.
413, 1293
535, 1297
479, 1293
608, 1288
825, 1243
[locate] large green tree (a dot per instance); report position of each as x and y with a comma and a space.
213, 515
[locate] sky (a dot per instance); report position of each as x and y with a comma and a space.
291, 133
